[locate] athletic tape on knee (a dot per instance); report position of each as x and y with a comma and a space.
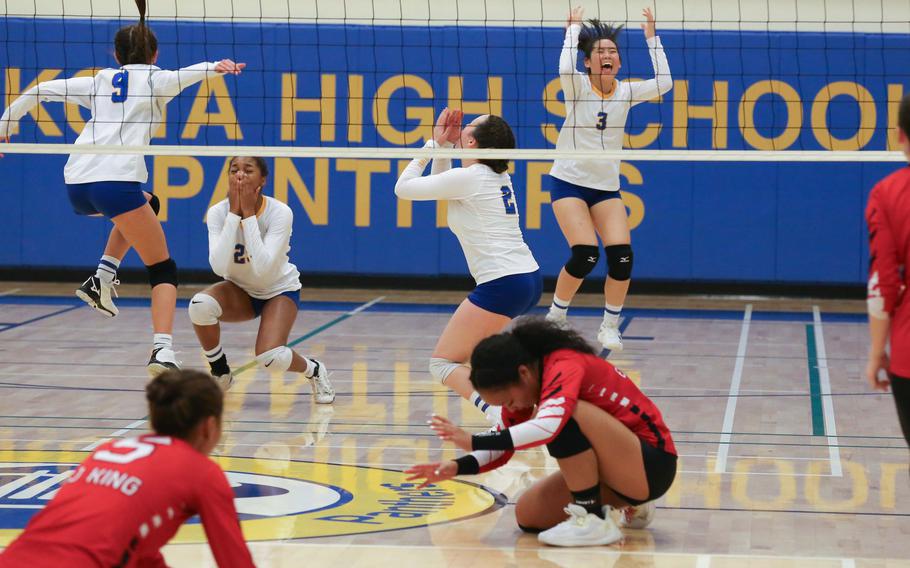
165, 272
155, 203
204, 310
277, 359
440, 368
569, 442
583, 260
619, 261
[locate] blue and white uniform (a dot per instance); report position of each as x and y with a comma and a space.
253, 252
127, 106
483, 214
597, 122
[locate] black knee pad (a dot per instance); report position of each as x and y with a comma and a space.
165, 272
569, 442
155, 203
583, 260
619, 261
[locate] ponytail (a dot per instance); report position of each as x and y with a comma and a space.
136, 44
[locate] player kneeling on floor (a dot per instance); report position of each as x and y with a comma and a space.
126, 500
249, 240
609, 439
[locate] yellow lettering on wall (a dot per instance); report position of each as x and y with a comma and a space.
635, 207
888, 491
165, 191
895, 94
423, 114
535, 196
492, 105
853, 471
40, 115
555, 106
404, 214
221, 186
355, 108
716, 112
786, 492
647, 136
867, 115
225, 116
747, 115
363, 170
291, 105
316, 204
442, 214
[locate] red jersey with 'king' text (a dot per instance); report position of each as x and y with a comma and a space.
567, 377
125, 502
888, 218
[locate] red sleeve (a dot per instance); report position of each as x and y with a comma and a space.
219, 518
560, 384
884, 287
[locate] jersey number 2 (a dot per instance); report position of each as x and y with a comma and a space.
121, 84
239, 252
508, 200
601, 121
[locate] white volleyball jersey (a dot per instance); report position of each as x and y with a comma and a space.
127, 106
596, 122
253, 253
482, 212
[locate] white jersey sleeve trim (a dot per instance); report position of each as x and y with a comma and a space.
168, 84
452, 184
77, 90
643, 91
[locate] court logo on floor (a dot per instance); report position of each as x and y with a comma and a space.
275, 499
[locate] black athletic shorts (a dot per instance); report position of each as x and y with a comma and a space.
660, 469
900, 388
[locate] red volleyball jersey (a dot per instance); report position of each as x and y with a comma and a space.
570, 376
888, 218
124, 502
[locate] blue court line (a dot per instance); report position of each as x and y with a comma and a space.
39, 318
394, 307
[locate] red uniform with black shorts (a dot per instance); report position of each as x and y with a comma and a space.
888, 218
567, 377
125, 502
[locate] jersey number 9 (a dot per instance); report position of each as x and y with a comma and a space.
508, 200
121, 84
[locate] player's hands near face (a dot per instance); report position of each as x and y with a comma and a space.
649, 27
576, 16
877, 362
448, 126
432, 472
248, 194
227, 66
448, 432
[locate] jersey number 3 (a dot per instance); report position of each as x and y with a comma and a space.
121, 84
508, 200
601, 121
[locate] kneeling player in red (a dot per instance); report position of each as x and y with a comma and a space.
609, 439
129, 497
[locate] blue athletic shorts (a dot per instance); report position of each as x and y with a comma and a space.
110, 198
258, 304
560, 189
511, 295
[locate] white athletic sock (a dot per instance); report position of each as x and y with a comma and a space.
162, 340
611, 314
107, 269
310, 368
214, 354
559, 305
479, 402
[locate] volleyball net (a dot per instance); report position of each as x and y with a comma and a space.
781, 112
